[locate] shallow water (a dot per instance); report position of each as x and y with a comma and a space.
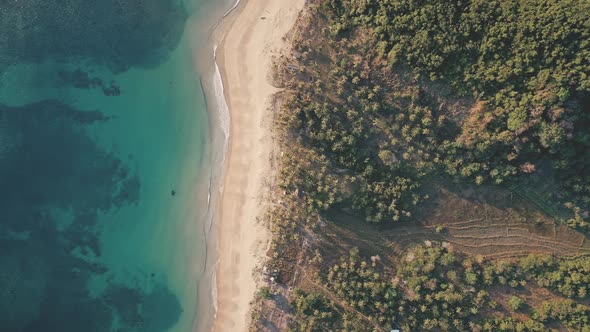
103, 133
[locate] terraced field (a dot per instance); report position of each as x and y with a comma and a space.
491, 227
477, 223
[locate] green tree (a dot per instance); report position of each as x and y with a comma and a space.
515, 303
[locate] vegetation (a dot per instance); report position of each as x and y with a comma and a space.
364, 289
574, 316
515, 303
570, 277
384, 101
513, 325
379, 98
265, 292
523, 60
313, 309
432, 289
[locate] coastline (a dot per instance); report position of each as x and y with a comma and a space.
244, 57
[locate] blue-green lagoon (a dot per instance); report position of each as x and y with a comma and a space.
104, 140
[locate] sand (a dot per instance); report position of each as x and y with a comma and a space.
245, 57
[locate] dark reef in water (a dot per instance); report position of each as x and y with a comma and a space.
51, 168
48, 165
80, 79
118, 34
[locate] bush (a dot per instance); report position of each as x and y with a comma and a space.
265, 292
515, 303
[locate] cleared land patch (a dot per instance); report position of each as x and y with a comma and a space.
476, 221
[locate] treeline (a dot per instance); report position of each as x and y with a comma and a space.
384, 97
433, 288
525, 61
395, 91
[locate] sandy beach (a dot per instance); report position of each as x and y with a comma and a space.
254, 37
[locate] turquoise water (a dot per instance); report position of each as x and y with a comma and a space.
103, 189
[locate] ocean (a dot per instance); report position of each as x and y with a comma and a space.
106, 160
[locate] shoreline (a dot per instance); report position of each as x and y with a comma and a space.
244, 58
